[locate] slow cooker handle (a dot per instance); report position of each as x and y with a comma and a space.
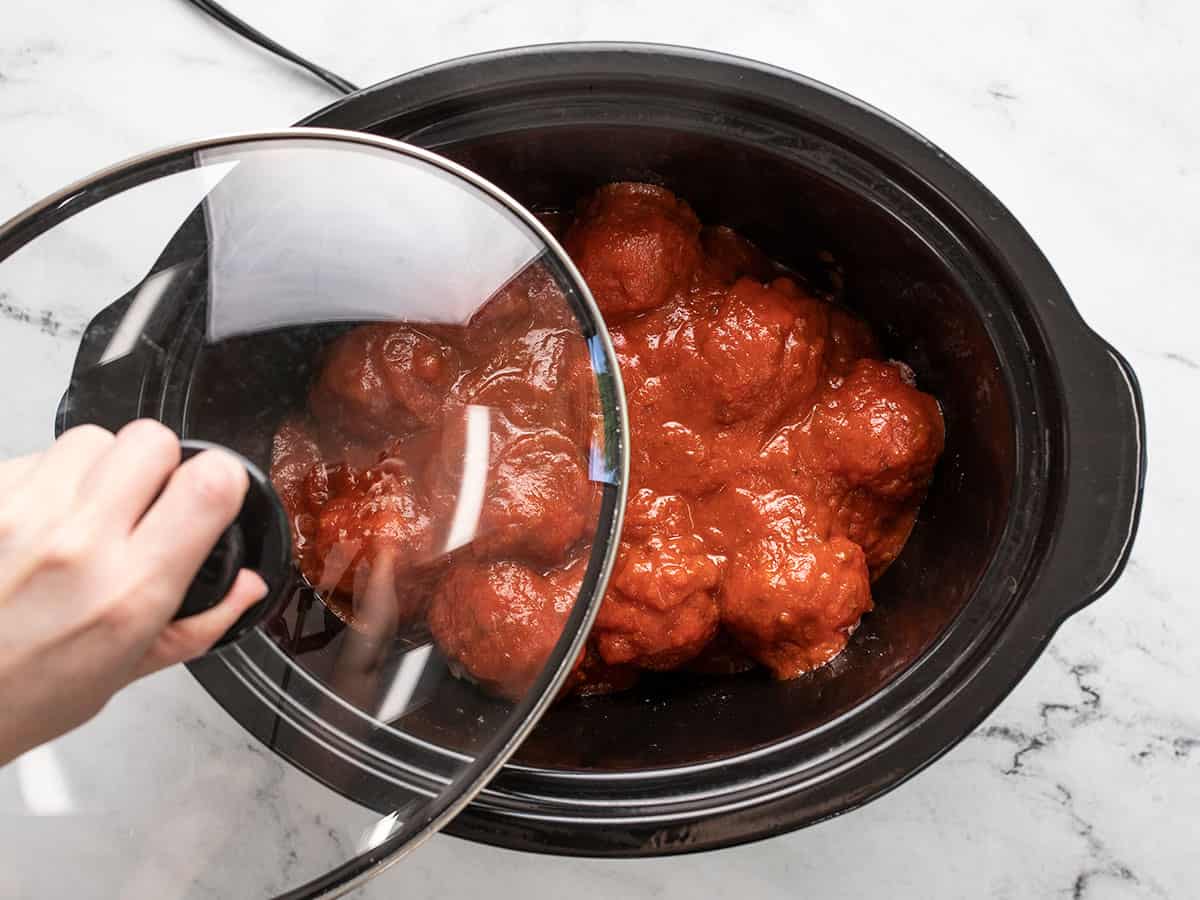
1106, 471
259, 539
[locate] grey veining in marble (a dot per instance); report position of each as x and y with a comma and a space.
1082, 117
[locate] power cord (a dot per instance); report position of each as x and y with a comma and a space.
250, 33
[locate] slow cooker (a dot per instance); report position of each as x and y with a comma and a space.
1033, 509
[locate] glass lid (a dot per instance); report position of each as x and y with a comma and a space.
426, 401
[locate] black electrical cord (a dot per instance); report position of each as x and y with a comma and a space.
250, 33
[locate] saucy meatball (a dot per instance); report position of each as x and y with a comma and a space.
378, 528
793, 604
537, 499
878, 525
498, 622
636, 245
649, 617
380, 379
877, 431
659, 611
764, 348
538, 378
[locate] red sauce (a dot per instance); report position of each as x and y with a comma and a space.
777, 463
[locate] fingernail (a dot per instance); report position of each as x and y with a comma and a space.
257, 591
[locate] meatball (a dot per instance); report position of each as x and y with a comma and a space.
530, 362
418, 370
750, 505
793, 604
498, 622
659, 611
654, 350
879, 525
659, 358
372, 537
380, 379
877, 431
667, 453
634, 633
537, 500
648, 512
636, 246
764, 350
535, 378
532, 299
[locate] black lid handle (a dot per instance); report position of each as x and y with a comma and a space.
259, 539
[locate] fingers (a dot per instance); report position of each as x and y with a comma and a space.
188, 638
14, 471
76, 450
50, 486
127, 477
41, 500
201, 499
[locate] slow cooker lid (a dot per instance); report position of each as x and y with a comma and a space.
349, 306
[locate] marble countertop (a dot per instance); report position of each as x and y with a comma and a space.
1081, 117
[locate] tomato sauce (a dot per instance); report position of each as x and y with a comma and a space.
777, 463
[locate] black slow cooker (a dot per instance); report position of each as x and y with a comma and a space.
1030, 517
1032, 512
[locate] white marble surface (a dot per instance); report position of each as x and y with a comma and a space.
1082, 117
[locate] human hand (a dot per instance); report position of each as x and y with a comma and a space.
100, 536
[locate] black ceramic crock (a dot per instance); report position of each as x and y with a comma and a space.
1033, 507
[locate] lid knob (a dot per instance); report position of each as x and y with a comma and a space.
258, 539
